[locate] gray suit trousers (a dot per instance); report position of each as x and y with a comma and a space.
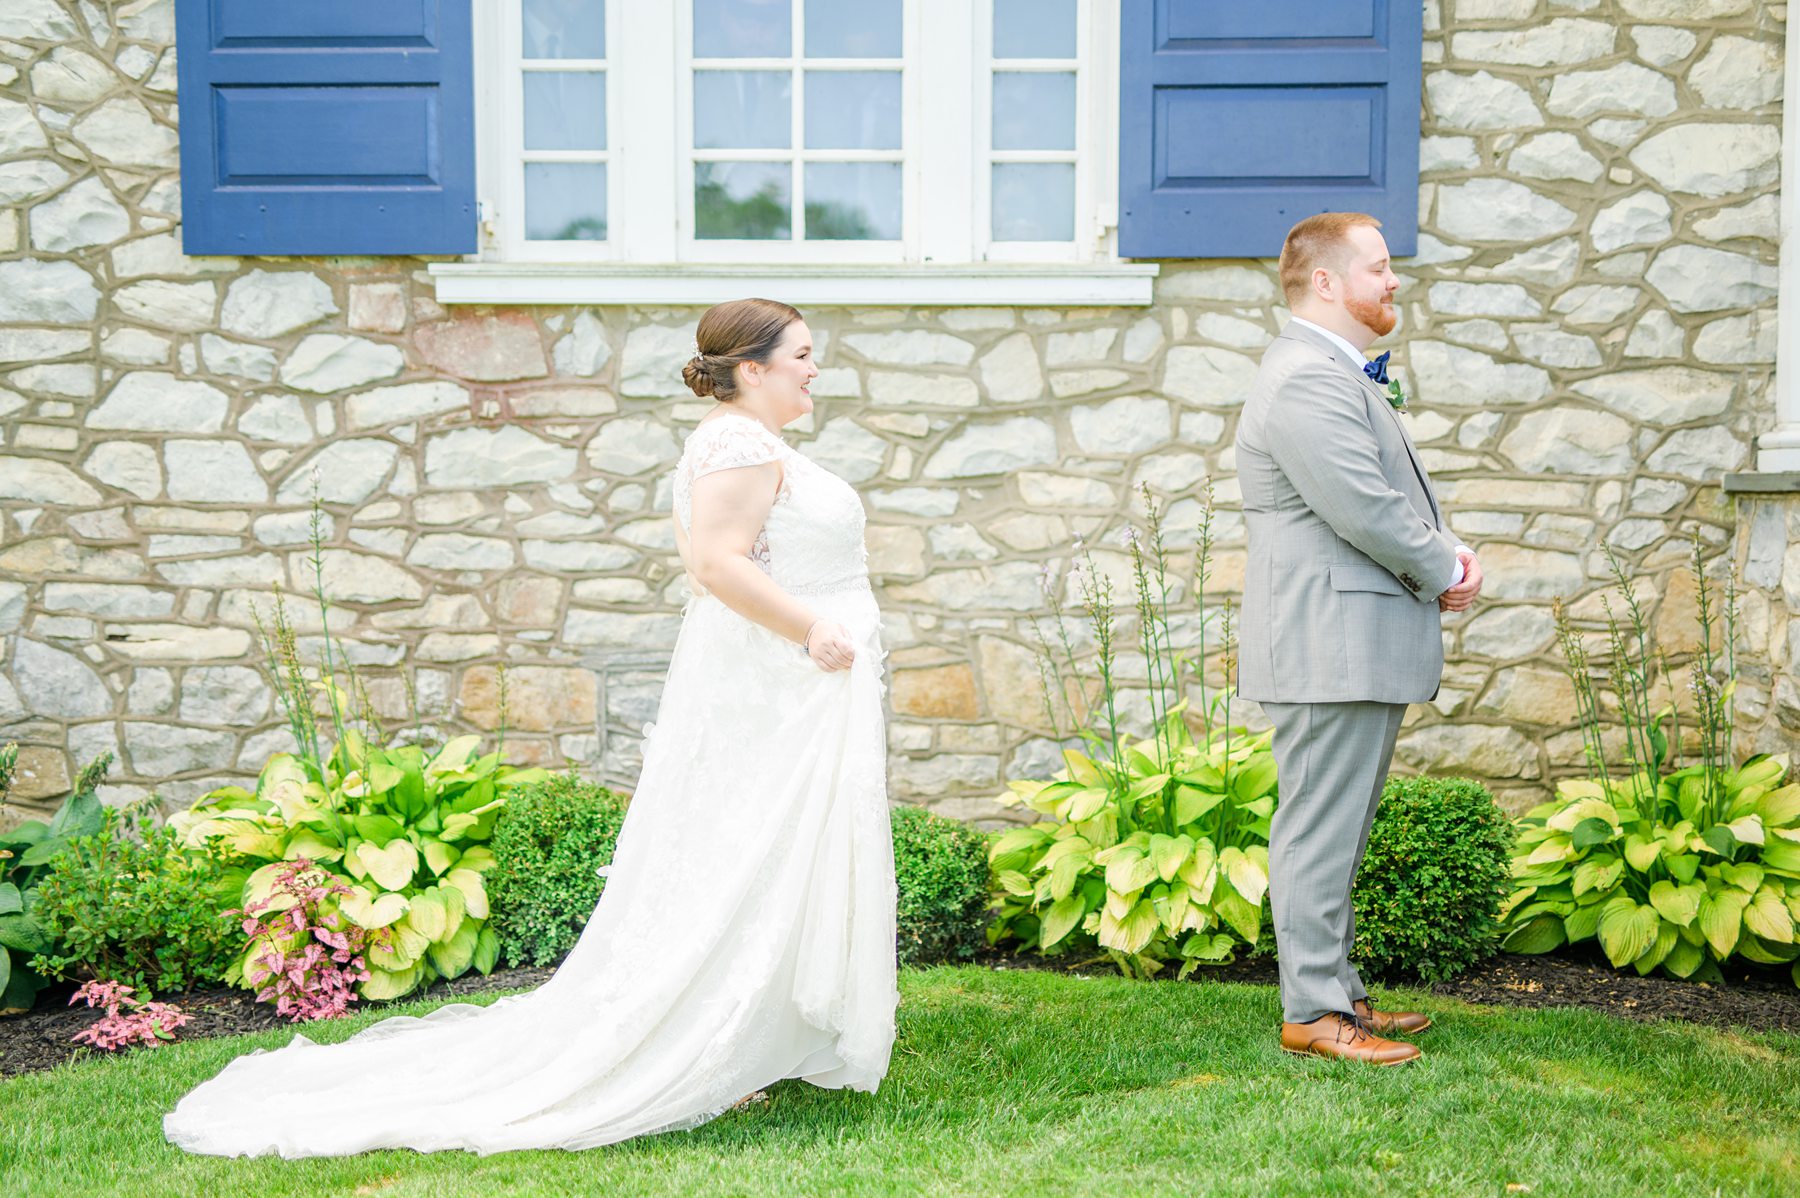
1332, 761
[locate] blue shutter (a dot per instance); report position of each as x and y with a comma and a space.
326, 126
1239, 119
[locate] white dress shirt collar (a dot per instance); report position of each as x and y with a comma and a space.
1356, 355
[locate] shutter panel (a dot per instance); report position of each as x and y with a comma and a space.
327, 126
1238, 120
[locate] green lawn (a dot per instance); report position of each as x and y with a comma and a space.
1033, 1083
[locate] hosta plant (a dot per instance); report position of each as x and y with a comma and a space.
1149, 851
1670, 866
1676, 878
1167, 861
403, 830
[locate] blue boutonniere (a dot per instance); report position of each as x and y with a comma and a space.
1377, 372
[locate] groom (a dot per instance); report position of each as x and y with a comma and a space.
1350, 563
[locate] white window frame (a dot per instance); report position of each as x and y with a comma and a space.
1082, 243
775, 252
502, 173
946, 254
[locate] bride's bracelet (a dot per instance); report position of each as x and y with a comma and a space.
806, 641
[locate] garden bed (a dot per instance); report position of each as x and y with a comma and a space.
40, 1039
1758, 1002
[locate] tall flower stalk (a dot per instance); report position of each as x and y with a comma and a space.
1587, 702
1228, 667
1713, 681
1096, 591
338, 692
1169, 669
1052, 660
1652, 742
316, 536
1202, 567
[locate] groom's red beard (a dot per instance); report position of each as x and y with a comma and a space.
1375, 315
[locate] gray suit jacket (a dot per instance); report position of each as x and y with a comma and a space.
1348, 547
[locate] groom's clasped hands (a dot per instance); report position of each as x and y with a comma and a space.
1460, 596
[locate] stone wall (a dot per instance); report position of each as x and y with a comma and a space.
1588, 335
1768, 564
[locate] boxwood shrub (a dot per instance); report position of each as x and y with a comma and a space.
548, 841
1430, 887
941, 866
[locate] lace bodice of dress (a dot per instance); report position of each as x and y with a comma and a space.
812, 541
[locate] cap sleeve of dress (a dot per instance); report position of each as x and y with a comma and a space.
729, 443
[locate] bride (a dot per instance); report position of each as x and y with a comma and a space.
746, 932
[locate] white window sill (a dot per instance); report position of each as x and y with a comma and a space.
1113, 284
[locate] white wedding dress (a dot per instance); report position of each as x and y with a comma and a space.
746, 931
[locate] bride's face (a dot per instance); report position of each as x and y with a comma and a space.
781, 388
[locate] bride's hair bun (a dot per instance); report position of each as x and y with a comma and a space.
746, 330
695, 375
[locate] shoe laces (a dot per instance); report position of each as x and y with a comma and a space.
1354, 1027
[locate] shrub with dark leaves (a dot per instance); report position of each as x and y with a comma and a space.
941, 866
547, 844
1428, 895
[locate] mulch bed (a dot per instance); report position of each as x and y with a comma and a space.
1756, 1000
1753, 999
39, 1039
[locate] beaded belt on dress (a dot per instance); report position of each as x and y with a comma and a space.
833, 587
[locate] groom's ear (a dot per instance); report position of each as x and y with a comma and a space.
1324, 286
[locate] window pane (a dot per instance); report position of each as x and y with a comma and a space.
743, 110
564, 28
1034, 110
853, 29
565, 110
853, 110
742, 28
743, 200
565, 201
1034, 28
1034, 201
853, 201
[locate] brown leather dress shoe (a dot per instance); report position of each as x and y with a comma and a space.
1346, 1038
1391, 1023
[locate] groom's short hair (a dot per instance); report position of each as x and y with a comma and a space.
1314, 242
